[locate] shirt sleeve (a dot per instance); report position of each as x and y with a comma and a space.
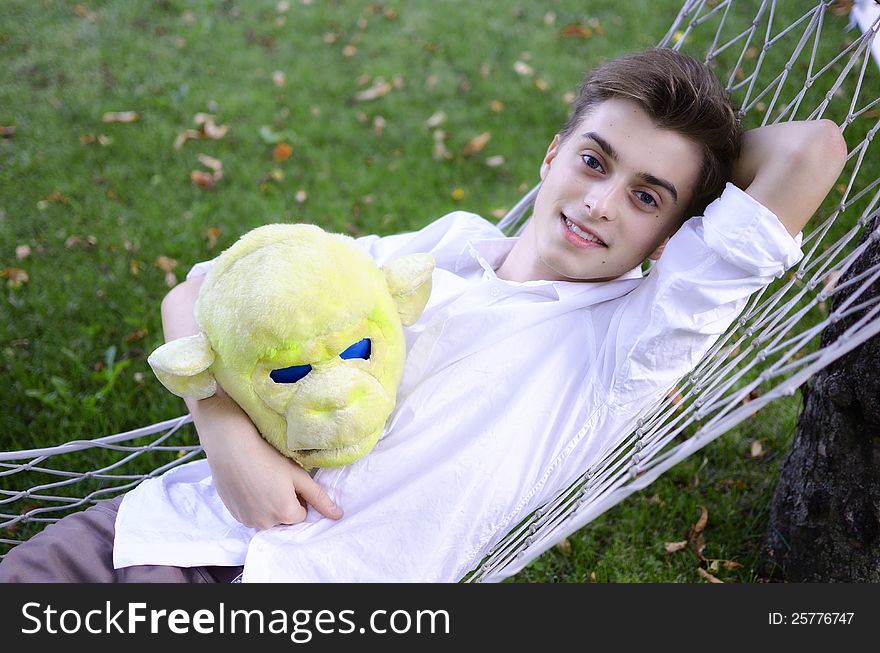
697, 288
442, 238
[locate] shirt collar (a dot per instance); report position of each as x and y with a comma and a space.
489, 254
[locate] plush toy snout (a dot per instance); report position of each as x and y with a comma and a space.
338, 413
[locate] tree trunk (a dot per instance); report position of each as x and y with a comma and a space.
825, 515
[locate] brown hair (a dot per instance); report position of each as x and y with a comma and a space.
679, 94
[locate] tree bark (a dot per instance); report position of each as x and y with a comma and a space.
825, 514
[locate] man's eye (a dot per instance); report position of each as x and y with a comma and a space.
646, 198
592, 162
290, 374
360, 349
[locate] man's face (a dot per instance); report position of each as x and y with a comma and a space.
611, 196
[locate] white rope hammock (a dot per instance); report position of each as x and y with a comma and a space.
771, 347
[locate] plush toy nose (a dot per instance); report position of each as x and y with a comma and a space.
336, 406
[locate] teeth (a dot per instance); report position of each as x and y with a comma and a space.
580, 232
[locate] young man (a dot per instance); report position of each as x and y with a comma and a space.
534, 356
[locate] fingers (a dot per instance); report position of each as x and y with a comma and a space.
293, 513
315, 495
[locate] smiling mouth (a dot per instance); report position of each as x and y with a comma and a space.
581, 235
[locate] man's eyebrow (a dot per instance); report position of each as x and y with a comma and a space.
647, 177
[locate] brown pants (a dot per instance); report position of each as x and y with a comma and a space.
79, 549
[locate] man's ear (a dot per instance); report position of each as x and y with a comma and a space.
552, 151
657, 252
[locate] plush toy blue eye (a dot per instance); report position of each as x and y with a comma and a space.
360, 349
290, 374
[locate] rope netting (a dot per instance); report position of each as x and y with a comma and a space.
767, 354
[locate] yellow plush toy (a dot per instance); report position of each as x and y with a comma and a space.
305, 333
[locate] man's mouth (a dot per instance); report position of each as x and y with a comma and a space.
581, 236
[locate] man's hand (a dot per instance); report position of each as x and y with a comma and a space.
790, 167
260, 487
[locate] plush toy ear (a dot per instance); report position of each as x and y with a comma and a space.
182, 367
409, 282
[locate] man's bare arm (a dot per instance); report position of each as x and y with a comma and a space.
258, 485
790, 167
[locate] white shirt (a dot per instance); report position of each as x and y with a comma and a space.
510, 391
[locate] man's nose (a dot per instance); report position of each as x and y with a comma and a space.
603, 200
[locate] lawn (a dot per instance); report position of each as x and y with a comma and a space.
141, 138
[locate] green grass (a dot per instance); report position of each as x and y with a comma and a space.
98, 203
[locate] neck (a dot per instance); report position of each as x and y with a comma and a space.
522, 262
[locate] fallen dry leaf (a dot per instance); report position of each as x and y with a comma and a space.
278, 78
695, 533
476, 144
165, 263
183, 137
7, 131
202, 179
707, 576
15, 277
497, 106
440, 151
715, 565
83, 12
281, 152
436, 120
575, 30
564, 547
672, 547
22, 252
495, 161
379, 125
137, 334
170, 279
212, 235
380, 88
79, 241
134, 266
524, 69
121, 116
757, 450
841, 7
207, 129
301, 196
210, 162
